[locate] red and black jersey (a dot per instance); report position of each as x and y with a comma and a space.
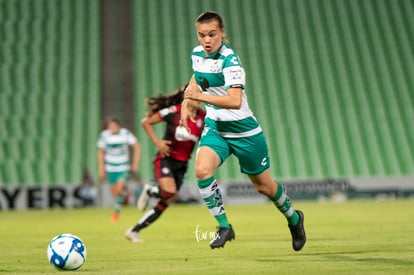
182, 144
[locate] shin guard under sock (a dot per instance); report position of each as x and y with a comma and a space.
211, 194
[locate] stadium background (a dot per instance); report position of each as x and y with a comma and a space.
330, 81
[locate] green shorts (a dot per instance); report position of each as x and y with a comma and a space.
252, 152
113, 177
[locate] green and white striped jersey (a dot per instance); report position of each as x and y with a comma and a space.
116, 149
215, 74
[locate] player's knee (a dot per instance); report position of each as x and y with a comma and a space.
167, 195
203, 171
117, 189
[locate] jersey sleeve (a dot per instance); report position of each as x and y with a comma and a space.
234, 75
131, 138
101, 144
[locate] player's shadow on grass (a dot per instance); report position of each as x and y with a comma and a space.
346, 256
390, 261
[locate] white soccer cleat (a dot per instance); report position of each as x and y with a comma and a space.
132, 236
143, 198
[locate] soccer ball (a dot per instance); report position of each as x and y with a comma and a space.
67, 252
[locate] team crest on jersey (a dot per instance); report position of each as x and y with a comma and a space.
165, 170
214, 67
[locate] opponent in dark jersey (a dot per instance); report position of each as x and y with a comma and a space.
174, 151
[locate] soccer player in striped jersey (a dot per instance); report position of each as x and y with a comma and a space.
114, 161
230, 128
174, 151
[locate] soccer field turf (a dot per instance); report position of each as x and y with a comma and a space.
370, 237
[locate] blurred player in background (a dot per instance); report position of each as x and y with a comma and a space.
230, 128
114, 160
174, 151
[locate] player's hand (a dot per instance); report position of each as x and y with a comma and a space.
192, 93
163, 147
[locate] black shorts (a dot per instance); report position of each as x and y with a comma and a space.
169, 167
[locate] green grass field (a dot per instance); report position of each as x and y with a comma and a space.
370, 237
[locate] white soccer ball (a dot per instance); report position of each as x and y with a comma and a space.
67, 252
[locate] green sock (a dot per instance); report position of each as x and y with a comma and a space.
116, 207
119, 200
211, 194
283, 203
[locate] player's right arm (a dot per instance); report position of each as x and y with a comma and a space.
162, 145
